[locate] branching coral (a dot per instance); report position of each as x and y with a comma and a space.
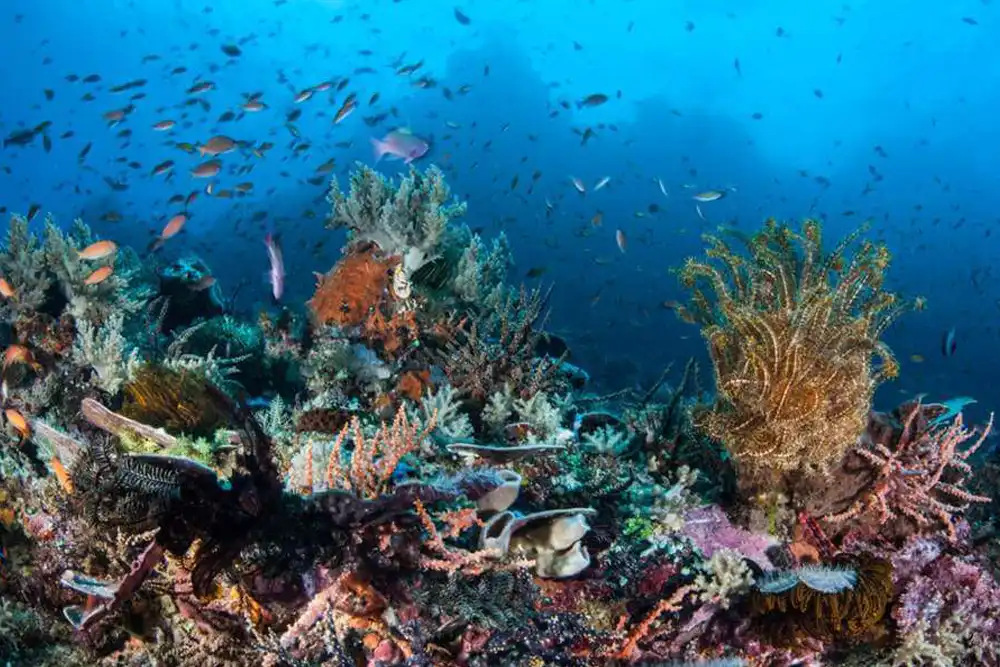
105, 350
920, 472
793, 349
125, 290
374, 459
480, 273
499, 349
32, 268
407, 221
22, 265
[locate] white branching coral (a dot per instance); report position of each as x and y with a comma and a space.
723, 577
538, 412
670, 505
408, 221
606, 440
480, 273
105, 350
452, 424
498, 410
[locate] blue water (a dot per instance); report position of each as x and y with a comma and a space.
829, 82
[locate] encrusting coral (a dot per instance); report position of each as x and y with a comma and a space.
794, 335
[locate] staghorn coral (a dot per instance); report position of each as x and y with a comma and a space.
793, 349
352, 290
407, 221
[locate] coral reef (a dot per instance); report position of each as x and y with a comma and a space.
406, 470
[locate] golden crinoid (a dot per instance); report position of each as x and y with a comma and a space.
845, 600
794, 339
181, 401
353, 289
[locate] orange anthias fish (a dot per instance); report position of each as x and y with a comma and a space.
99, 276
6, 289
19, 354
98, 250
17, 420
173, 227
59, 470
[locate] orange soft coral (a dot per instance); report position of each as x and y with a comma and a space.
414, 384
350, 292
392, 332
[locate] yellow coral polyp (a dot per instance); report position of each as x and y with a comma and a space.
794, 339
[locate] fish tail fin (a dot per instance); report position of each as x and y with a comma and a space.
379, 149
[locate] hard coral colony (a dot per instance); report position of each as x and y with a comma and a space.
430, 482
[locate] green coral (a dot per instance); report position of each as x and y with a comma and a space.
481, 273
126, 290
409, 221
22, 265
43, 272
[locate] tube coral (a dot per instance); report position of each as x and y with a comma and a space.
794, 351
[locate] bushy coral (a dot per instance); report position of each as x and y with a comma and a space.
498, 349
797, 354
406, 222
105, 350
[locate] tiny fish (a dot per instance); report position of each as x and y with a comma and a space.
601, 183
344, 111
621, 240
6, 290
217, 145
948, 343
593, 100
461, 18
578, 184
709, 195
663, 188
173, 226
231, 50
